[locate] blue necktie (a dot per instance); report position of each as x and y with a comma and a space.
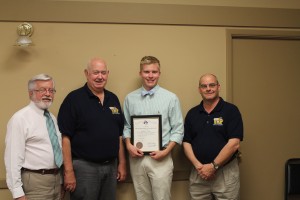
150, 92
54, 140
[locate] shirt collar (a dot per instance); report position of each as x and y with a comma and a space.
217, 108
35, 108
145, 92
91, 94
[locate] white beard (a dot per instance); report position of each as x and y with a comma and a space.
43, 105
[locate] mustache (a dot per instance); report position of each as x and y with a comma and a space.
47, 98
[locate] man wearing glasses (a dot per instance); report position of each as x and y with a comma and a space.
33, 154
91, 121
212, 134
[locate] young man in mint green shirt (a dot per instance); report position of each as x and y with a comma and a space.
152, 174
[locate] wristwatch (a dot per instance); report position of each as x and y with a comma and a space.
216, 166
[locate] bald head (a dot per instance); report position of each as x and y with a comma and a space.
96, 62
208, 75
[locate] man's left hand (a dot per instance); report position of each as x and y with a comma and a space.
158, 155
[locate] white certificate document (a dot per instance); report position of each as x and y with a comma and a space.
146, 132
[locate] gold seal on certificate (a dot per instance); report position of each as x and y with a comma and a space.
139, 145
146, 132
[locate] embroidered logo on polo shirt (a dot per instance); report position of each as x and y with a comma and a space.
114, 110
218, 121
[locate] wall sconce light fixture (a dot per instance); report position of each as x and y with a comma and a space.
24, 31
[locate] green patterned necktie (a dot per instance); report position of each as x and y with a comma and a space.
54, 140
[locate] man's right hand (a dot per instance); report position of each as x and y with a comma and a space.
69, 181
133, 151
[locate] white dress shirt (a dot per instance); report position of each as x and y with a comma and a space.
27, 145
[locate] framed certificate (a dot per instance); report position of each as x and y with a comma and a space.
146, 132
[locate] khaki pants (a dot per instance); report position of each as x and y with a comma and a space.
41, 187
225, 185
152, 179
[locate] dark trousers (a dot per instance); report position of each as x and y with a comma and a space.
95, 181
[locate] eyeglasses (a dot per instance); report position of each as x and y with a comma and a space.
44, 90
211, 85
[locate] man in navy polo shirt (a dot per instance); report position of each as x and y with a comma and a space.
91, 121
212, 134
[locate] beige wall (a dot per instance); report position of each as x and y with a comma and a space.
294, 4
62, 50
63, 44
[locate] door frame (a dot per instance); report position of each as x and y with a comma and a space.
232, 34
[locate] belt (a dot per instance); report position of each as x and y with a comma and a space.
42, 171
104, 162
97, 162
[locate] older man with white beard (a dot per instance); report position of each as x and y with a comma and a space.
33, 155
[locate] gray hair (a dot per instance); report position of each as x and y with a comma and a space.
39, 77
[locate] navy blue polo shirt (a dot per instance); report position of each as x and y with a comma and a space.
94, 129
209, 133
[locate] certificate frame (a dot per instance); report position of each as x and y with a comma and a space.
146, 133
